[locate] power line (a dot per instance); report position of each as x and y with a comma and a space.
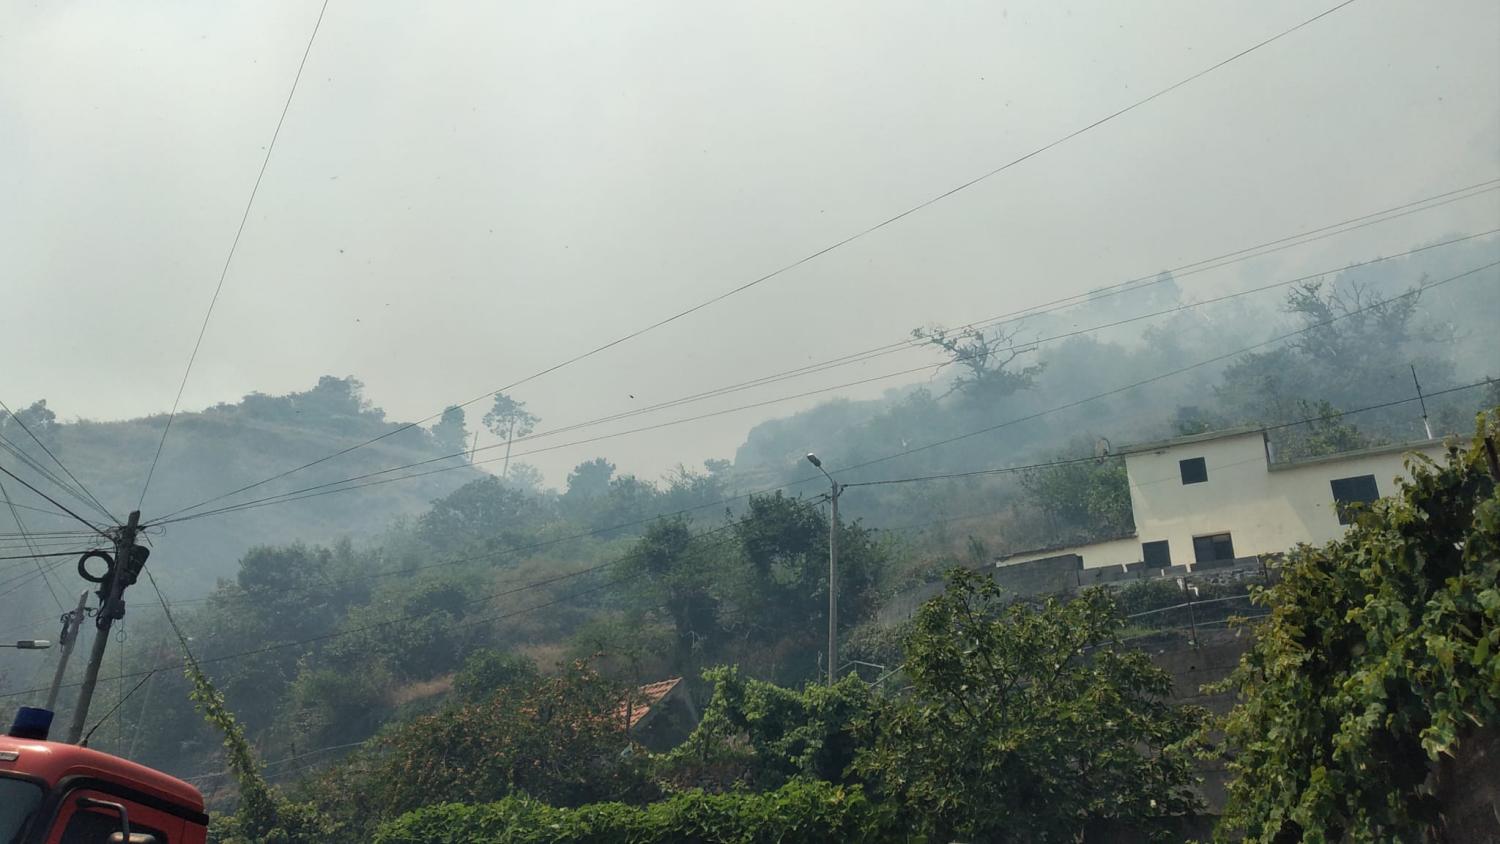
907, 344
89, 495
1172, 373
118, 703
328, 487
1305, 329
18, 582
54, 502
623, 558
52, 513
584, 572
1137, 384
36, 466
56, 554
338, 634
1127, 452
228, 259
517, 550
814, 255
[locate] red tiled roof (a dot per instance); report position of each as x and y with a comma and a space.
653, 693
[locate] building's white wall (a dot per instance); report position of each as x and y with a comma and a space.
1306, 486
1264, 511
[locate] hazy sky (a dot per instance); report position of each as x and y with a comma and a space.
467, 192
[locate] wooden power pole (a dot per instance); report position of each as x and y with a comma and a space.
112, 606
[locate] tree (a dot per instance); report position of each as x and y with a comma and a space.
450, 433
1354, 347
626, 648
1023, 723
525, 477
555, 739
757, 734
39, 419
485, 510
1325, 432
509, 419
673, 573
589, 479
1380, 656
264, 815
797, 813
487, 671
414, 629
1086, 500
1347, 322
780, 591
985, 361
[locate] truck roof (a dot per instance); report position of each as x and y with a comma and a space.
52, 761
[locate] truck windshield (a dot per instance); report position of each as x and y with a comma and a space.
18, 799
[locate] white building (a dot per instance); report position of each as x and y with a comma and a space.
1221, 496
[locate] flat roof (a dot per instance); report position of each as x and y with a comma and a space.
1224, 433
1062, 550
1372, 451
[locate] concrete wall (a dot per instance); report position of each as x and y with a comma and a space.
1264, 509
1114, 552
1044, 576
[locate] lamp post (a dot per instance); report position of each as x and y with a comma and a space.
72, 623
833, 570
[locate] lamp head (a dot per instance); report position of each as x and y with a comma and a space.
813, 459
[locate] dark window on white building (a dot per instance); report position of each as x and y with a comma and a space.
1360, 490
1218, 546
1157, 555
1194, 470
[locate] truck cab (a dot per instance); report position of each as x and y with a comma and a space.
53, 793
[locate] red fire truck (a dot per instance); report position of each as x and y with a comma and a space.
53, 793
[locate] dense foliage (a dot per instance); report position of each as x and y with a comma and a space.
485, 584
797, 813
1381, 654
1023, 723
755, 734
557, 739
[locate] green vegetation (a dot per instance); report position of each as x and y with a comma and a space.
468, 639
1381, 655
557, 739
1018, 723
797, 813
1024, 723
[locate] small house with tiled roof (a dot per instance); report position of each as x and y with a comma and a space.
661, 715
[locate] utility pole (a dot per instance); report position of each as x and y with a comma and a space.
71, 623
833, 570
123, 570
833, 585
509, 435
1426, 426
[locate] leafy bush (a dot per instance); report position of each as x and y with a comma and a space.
765, 735
1023, 723
486, 671
1381, 653
554, 738
811, 812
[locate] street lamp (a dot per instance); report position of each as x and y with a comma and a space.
833, 570
30, 645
